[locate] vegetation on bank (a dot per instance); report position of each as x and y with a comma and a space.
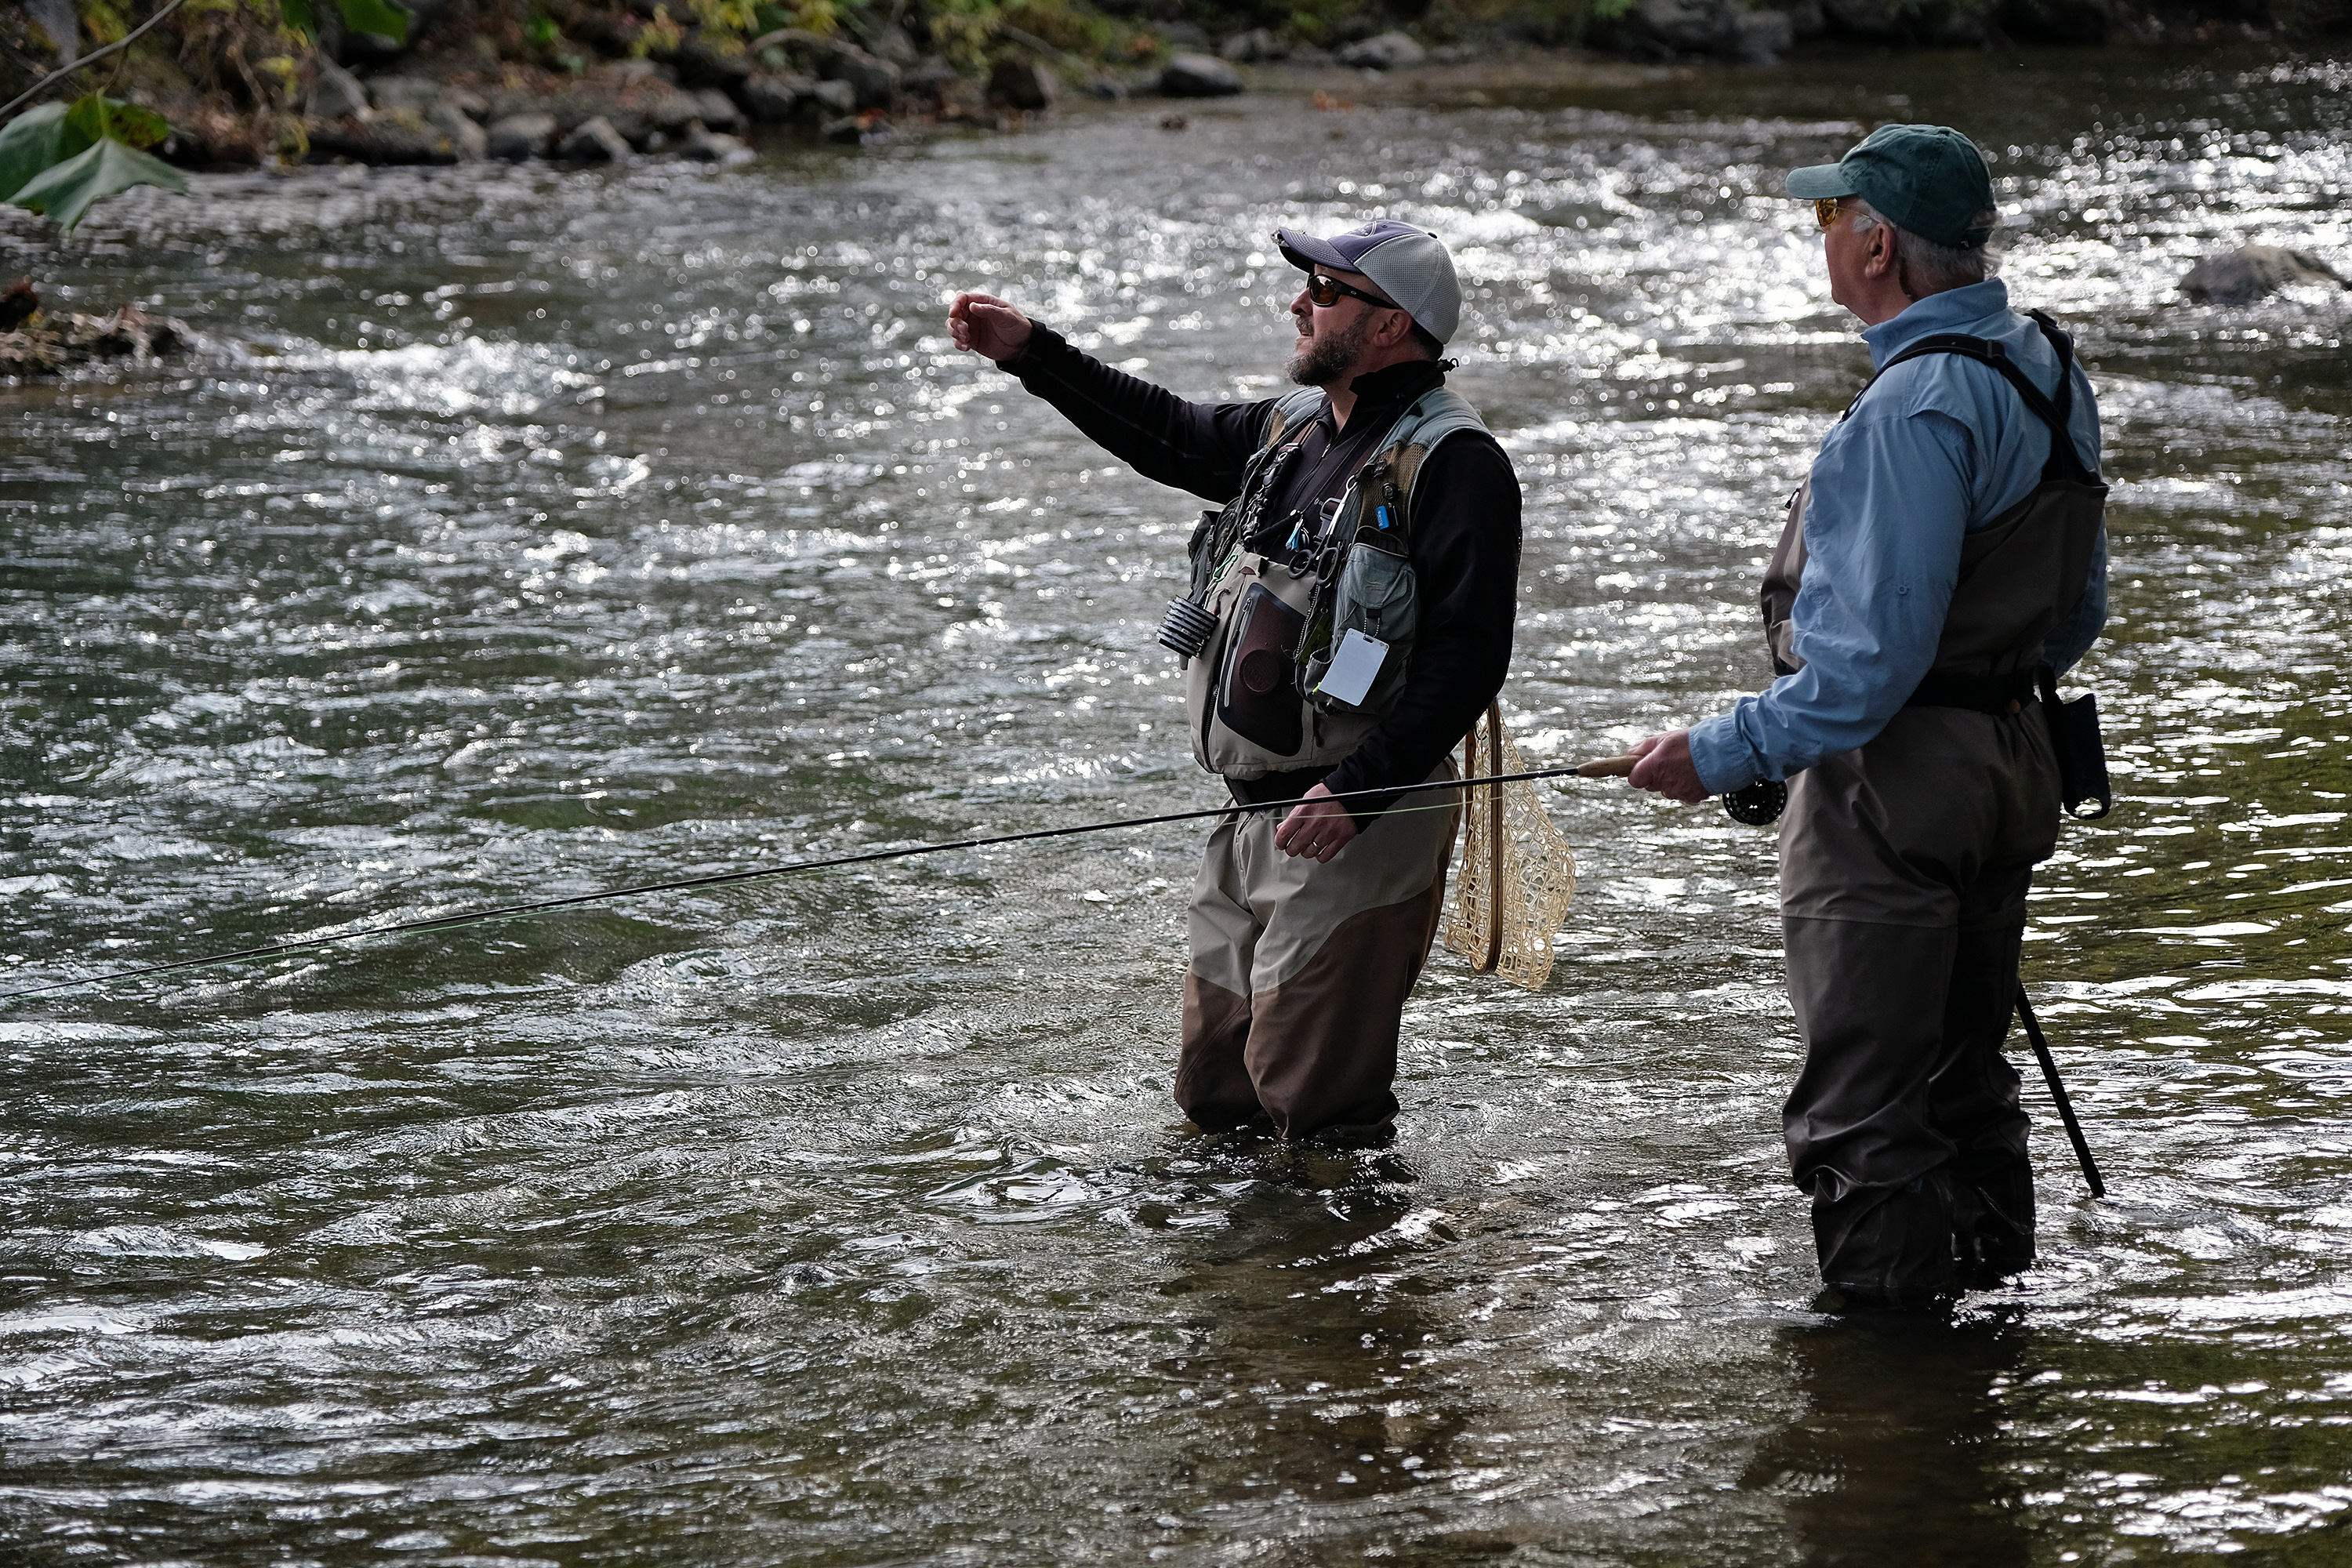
240, 81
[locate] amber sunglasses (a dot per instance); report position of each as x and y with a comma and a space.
1825, 211
1326, 291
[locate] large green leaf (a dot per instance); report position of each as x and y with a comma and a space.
34, 141
93, 117
110, 168
359, 16
375, 16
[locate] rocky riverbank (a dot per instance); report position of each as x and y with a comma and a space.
596, 81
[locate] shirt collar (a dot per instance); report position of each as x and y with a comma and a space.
1952, 311
1388, 388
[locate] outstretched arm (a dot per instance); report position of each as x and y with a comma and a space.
1197, 447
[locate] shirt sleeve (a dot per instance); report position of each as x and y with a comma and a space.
1197, 446
1883, 528
1466, 561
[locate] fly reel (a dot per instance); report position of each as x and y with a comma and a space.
1759, 805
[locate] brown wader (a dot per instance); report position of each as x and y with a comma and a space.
1904, 870
1300, 971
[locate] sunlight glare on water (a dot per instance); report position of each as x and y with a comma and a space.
518, 533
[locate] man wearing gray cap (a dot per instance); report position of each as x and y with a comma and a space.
1347, 619
1943, 560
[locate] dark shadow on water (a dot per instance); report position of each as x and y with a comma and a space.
1899, 1455
1312, 1312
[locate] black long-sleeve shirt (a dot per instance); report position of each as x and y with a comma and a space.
1465, 522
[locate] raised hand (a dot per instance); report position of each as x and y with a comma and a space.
987, 326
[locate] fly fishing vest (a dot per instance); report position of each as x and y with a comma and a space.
2021, 575
1256, 696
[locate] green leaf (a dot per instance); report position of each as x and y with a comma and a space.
31, 143
65, 191
359, 16
85, 123
139, 127
93, 117
375, 16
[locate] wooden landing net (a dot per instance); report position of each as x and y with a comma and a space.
1516, 872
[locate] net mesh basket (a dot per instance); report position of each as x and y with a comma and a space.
1516, 873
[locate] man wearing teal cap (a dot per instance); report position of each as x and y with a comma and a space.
1942, 562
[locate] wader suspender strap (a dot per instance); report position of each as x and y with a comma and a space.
1493, 829
2064, 462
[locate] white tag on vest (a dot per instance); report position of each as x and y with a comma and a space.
1354, 665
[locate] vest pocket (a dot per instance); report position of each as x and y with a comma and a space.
1255, 698
1378, 596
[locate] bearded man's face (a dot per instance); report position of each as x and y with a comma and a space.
1323, 358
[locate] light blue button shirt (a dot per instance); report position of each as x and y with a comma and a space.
1939, 446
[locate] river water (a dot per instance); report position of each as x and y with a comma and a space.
520, 532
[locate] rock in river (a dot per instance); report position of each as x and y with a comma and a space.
2242, 276
1388, 52
1199, 75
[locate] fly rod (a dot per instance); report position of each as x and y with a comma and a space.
1606, 767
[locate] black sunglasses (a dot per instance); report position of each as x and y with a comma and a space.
1326, 291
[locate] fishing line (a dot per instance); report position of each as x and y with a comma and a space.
1607, 767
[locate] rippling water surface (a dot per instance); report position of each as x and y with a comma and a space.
520, 532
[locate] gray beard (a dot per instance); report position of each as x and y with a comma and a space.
1322, 360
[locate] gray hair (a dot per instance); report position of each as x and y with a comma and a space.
1934, 267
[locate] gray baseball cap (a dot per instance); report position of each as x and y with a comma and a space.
1410, 265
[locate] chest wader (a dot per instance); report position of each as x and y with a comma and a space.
1903, 869
1300, 969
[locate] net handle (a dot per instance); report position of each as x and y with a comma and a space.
1494, 830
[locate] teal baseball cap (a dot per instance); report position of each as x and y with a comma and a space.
1929, 179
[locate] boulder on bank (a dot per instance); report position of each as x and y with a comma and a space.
1720, 27
521, 137
384, 139
1257, 43
1386, 52
454, 122
713, 147
873, 80
2242, 276
1024, 84
336, 93
771, 97
594, 141
828, 101
1907, 22
1199, 75
719, 111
